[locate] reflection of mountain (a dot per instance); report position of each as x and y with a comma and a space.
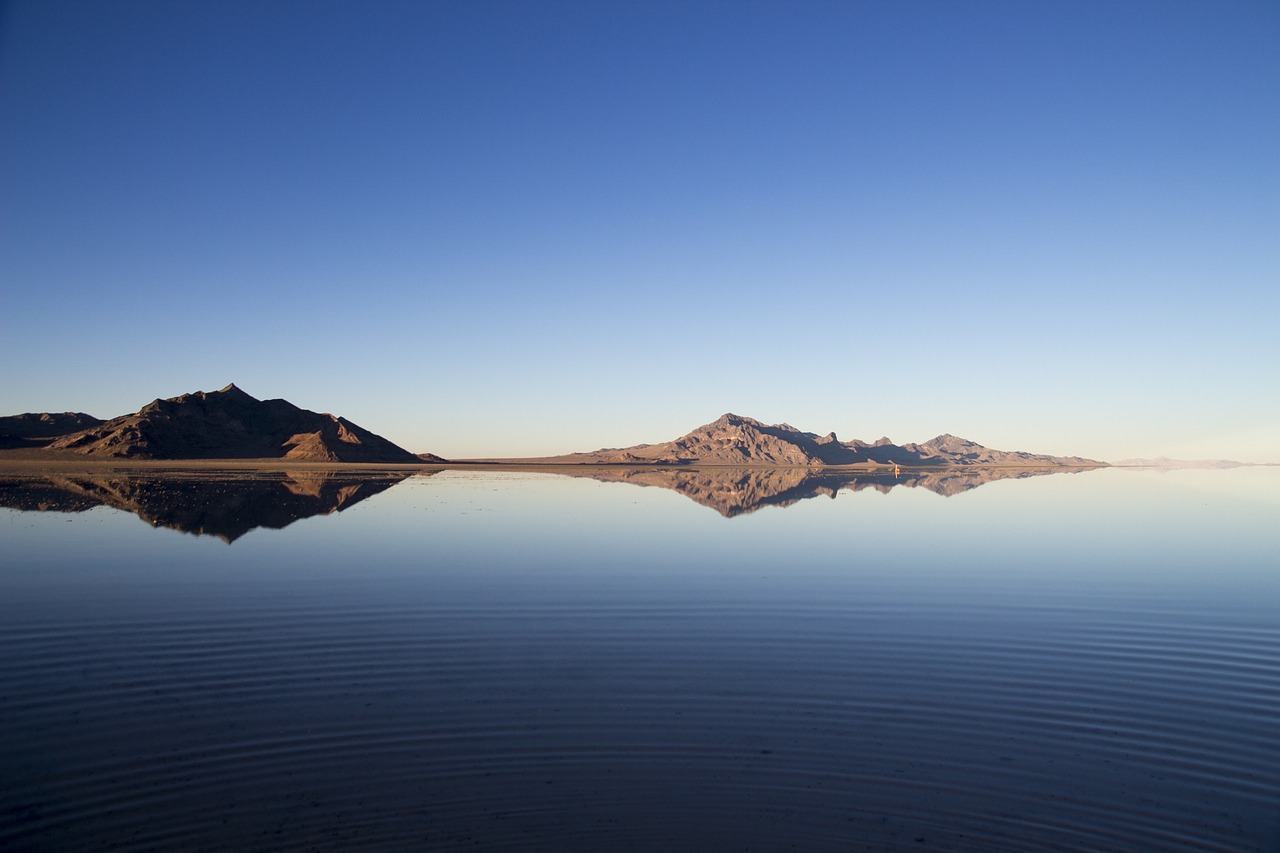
223, 505
737, 491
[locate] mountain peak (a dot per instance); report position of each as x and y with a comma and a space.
949, 440
230, 424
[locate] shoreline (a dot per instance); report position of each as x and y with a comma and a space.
60, 463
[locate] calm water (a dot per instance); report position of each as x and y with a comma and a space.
1068, 662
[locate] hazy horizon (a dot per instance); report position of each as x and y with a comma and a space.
532, 229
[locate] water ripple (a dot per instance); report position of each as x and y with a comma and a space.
640, 726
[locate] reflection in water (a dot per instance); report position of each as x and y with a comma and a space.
737, 491
229, 505
225, 505
478, 660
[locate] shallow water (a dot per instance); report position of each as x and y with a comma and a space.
1074, 662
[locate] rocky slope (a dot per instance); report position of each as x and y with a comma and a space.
37, 429
736, 440
230, 424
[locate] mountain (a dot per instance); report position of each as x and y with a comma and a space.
1167, 463
230, 424
204, 505
736, 440
37, 429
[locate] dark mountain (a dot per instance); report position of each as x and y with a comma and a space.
230, 424
736, 440
37, 429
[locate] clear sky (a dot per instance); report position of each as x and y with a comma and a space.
535, 227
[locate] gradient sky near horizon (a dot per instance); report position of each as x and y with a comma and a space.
526, 228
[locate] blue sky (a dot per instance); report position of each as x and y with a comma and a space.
526, 228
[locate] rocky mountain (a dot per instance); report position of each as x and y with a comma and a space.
230, 424
738, 491
736, 440
201, 504
37, 429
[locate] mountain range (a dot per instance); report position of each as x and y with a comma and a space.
1165, 463
231, 424
224, 424
37, 429
737, 440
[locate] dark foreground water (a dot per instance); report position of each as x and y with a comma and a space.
1072, 662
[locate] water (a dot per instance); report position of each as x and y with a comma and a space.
468, 659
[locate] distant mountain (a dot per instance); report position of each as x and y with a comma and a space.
203, 505
733, 492
736, 440
37, 429
230, 424
1166, 462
